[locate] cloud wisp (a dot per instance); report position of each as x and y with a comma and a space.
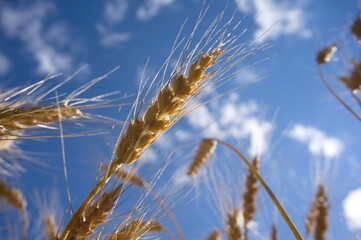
45, 42
284, 18
151, 8
352, 209
233, 119
318, 142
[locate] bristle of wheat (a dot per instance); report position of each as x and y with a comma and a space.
50, 227
205, 150
170, 102
20, 119
249, 196
353, 82
274, 232
129, 177
321, 222
215, 235
325, 55
136, 230
356, 28
94, 215
233, 225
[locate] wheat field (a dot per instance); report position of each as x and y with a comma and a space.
201, 120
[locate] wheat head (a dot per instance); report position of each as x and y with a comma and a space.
205, 150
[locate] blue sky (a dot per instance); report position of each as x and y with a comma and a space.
288, 117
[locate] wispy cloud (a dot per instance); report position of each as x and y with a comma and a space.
285, 18
110, 38
352, 209
318, 142
5, 64
151, 8
46, 43
230, 118
115, 11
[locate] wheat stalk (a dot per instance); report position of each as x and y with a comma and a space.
204, 152
274, 232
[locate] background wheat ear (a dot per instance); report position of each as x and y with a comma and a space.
233, 225
204, 152
215, 235
15, 198
356, 28
249, 196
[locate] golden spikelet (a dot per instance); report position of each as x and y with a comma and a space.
233, 225
353, 82
249, 197
50, 227
322, 214
16, 199
165, 109
205, 150
94, 215
274, 232
136, 230
325, 55
19, 118
356, 28
215, 235
316, 220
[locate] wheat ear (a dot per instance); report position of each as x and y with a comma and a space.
50, 227
249, 197
233, 225
356, 28
136, 230
273, 232
20, 119
205, 150
126, 176
94, 215
165, 109
325, 55
16, 199
215, 235
321, 222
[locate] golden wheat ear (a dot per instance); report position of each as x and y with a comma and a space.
325, 55
249, 197
204, 152
322, 206
94, 215
136, 229
234, 226
356, 28
215, 235
15, 198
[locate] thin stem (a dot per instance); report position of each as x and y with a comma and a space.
268, 190
335, 94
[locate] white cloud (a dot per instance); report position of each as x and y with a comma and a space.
352, 209
114, 11
280, 15
230, 118
110, 38
4, 64
151, 8
26, 23
319, 144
